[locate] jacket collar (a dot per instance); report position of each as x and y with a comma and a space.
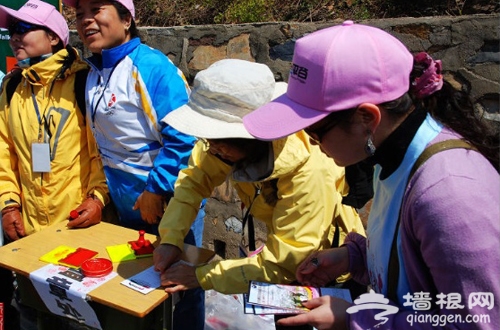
110, 57
285, 156
48, 70
391, 152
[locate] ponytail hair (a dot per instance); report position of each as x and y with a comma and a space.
453, 108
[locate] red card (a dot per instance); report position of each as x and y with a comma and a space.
77, 258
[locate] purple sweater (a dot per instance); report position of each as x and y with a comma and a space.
450, 234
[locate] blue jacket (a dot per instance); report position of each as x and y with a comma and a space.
130, 89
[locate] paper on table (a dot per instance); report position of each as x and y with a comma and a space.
144, 282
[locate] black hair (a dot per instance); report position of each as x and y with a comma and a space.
123, 13
60, 44
67, 61
455, 110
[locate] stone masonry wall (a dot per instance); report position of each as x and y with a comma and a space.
468, 47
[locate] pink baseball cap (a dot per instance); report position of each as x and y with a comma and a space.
129, 4
334, 69
38, 13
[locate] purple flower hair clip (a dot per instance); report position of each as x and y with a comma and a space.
431, 79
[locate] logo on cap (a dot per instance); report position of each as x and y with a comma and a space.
299, 73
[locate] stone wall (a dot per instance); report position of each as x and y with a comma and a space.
467, 45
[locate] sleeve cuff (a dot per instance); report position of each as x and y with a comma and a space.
201, 276
103, 198
9, 199
174, 238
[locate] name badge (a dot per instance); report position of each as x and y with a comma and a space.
40, 157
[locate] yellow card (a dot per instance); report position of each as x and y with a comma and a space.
57, 254
121, 252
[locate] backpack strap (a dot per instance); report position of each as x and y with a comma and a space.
393, 269
336, 235
12, 84
80, 81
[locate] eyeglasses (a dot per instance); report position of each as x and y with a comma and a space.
21, 27
317, 133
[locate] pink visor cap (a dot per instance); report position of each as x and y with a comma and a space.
129, 4
334, 69
38, 13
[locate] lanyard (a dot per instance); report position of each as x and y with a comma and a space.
94, 108
42, 120
248, 218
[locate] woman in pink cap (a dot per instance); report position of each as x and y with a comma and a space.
431, 254
48, 157
131, 87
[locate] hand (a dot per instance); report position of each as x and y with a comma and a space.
327, 312
323, 267
165, 255
90, 213
151, 207
12, 223
179, 277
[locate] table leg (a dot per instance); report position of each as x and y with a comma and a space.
168, 313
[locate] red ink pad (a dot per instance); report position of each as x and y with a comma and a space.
97, 267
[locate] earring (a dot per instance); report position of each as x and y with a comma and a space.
369, 146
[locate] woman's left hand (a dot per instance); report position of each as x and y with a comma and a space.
179, 277
151, 207
327, 312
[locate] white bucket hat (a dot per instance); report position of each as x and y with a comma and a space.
222, 94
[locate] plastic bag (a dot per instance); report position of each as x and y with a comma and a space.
225, 312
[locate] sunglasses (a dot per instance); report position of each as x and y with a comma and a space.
21, 27
317, 132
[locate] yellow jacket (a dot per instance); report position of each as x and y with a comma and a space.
309, 192
76, 169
